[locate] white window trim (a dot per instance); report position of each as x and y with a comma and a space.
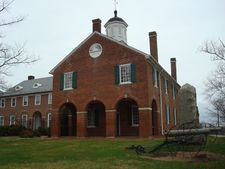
50, 98
167, 114
35, 100
120, 75
48, 122
64, 81
27, 100
12, 102
166, 86
10, 121
2, 119
1, 103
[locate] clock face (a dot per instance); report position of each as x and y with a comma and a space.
95, 50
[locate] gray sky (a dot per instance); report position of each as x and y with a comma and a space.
53, 28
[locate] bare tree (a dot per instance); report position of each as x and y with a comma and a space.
10, 55
215, 84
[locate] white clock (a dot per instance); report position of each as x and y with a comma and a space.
95, 50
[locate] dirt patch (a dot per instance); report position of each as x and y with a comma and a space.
187, 157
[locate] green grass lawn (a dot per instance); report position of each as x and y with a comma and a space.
38, 153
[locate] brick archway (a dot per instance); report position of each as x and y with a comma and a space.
127, 117
68, 120
96, 119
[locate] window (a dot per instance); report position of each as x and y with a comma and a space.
49, 119
166, 86
68, 81
125, 74
37, 99
155, 76
134, 116
167, 114
173, 92
36, 85
13, 102
12, 120
92, 119
50, 98
25, 100
24, 120
175, 116
1, 120
2, 103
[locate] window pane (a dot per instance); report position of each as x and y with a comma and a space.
68, 80
135, 116
125, 73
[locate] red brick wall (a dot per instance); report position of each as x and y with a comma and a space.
44, 108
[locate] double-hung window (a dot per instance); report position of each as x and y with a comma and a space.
24, 120
1, 120
12, 119
166, 85
68, 81
167, 114
2, 103
175, 116
125, 73
155, 77
25, 100
13, 102
37, 99
50, 98
49, 119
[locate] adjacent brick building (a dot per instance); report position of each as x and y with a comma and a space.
105, 87
28, 103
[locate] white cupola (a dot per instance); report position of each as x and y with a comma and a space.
116, 28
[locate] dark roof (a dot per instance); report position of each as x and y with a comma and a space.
27, 87
115, 18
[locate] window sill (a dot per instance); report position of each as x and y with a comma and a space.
124, 83
135, 125
91, 126
67, 89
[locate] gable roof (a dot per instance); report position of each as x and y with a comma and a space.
104, 36
149, 58
27, 87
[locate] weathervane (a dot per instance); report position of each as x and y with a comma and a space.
115, 4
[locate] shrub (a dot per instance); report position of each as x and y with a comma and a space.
4, 130
43, 131
15, 130
27, 133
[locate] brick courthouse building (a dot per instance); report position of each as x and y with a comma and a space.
107, 88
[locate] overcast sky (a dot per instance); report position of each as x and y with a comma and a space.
53, 28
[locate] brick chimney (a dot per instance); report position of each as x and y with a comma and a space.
96, 25
153, 45
173, 68
30, 77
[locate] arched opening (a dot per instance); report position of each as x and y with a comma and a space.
36, 120
96, 119
154, 119
127, 117
68, 120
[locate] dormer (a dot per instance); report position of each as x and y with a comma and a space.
116, 28
36, 85
18, 87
